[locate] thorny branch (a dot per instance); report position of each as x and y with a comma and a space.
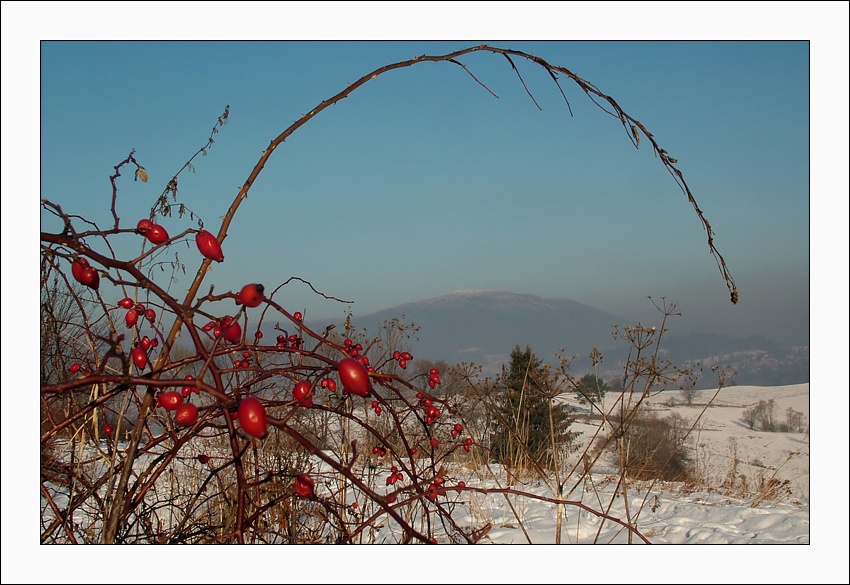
124, 500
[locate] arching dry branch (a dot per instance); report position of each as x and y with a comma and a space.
238, 439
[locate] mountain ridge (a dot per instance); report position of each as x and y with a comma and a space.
483, 326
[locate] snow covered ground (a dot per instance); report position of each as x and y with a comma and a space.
754, 489
735, 506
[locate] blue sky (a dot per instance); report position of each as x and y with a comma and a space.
421, 182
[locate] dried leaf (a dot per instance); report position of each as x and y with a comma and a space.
142, 174
636, 134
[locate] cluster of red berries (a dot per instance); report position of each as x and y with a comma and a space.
433, 377
402, 357
458, 428
293, 340
437, 488
395, 475
379, 450
432, 413
208, 244
84, 273
155, 233
354, 349
146, 342
245, 362
185, 413
376, 406
227, 327
187, 390
135, 310
329, 383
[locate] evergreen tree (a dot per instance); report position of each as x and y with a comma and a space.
591, 389
527, 416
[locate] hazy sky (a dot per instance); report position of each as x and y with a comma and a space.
422, 182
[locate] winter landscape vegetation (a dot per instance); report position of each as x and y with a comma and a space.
459, 395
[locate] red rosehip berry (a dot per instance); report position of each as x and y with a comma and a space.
304, 486
251, 295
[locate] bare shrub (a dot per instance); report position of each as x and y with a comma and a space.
251, 462
764, 414
750, 416
795, 420
767, 415
652, 447
689, 394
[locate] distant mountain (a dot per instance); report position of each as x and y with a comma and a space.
484, 326
756, 361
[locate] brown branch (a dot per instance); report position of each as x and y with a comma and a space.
521, 80
125, 499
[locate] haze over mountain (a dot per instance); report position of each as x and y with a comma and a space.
484, 326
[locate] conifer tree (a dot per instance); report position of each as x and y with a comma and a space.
526, 415
591, 389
